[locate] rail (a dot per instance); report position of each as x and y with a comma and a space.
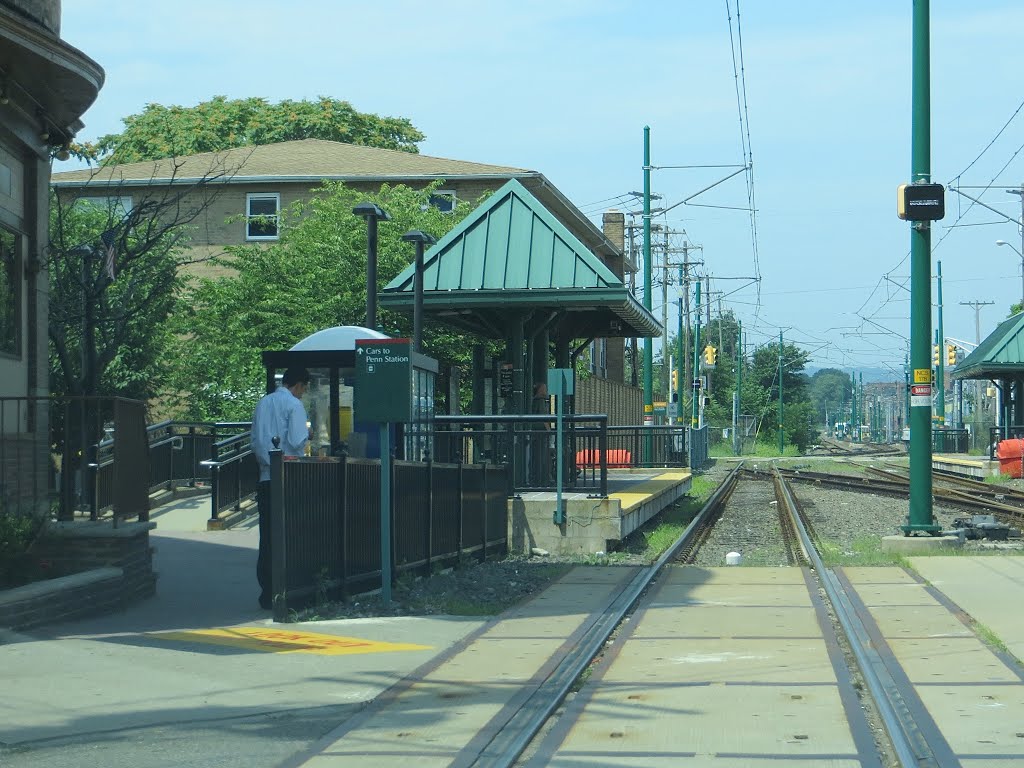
233, 473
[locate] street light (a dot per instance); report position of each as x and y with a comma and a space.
420, 239
1017, 250
372, 213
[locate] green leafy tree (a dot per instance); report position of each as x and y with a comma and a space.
764, 375
223, 123
113, 276
830, 390
314, 277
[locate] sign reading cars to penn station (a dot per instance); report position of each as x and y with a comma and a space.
383, 380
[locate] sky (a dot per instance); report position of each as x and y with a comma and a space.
815, 96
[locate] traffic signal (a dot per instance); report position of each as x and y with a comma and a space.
710, 355
951, 354
675, 380
935, 355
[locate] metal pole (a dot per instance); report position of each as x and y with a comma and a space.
385, 513
920, 517
648, 349
680, 359
695, 416
371, 272
666, 375
782, 434
940, 379
417, 306
739, 383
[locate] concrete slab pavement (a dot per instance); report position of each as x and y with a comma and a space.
121, 671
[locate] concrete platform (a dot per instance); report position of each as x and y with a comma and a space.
909, 545
963, 464
594, 524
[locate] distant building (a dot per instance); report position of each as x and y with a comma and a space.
254, 184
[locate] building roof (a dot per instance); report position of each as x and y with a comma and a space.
1001, 353
511, 253
300, 160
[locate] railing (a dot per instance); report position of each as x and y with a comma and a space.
527, 445
325, 515
1005, 432
948, 440
233, 473
51, 462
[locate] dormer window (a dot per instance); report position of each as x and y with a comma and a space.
262, 211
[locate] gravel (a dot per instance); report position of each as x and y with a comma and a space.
850, 521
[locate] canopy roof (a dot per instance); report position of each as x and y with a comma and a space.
511, 254
1000, 354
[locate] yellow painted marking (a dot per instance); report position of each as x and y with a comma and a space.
922, 375
284, 641
648, 488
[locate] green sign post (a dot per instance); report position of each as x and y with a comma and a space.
561, 382
384, 394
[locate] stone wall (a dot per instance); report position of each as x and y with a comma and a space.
112, 567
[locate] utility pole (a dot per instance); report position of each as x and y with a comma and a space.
665, 376
648, 348
736, 407
940, 378
976, 306
782, 444
920, 517
695, 415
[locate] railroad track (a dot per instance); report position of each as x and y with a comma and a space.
803, 648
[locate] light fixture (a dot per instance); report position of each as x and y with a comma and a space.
63, 153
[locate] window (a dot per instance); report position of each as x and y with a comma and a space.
118, 206
10, 293
443, 200
262, 210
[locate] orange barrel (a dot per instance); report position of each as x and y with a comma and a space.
1011, 457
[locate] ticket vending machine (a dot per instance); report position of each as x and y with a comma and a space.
329, 356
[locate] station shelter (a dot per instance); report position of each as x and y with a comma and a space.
512, 272
999, 360
330, 357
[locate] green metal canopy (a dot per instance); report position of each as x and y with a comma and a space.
512, 254
1000, 355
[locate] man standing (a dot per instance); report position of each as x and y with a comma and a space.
282, 415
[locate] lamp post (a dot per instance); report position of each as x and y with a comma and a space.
372, 213
420, 239
1018, 252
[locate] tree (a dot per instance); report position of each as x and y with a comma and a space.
221, 123
764, 374
830, 390
314, 277
113, 276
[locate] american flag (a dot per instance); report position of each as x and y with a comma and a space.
109, 239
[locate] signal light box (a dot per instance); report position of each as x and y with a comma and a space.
921, 202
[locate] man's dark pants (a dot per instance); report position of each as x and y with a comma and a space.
263, 563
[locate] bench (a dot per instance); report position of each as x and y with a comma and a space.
617, 458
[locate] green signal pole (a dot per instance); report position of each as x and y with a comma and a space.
648, 348
695, 417
680, 366
920, 517
782, 434
940, 377
739, 384
906, 392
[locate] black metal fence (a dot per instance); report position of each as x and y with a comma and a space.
590, 448
51, 462
325, 514
949, 440
233, 473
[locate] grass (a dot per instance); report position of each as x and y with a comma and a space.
760, 450
864, 551
654, 538
830, 466
999, 479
